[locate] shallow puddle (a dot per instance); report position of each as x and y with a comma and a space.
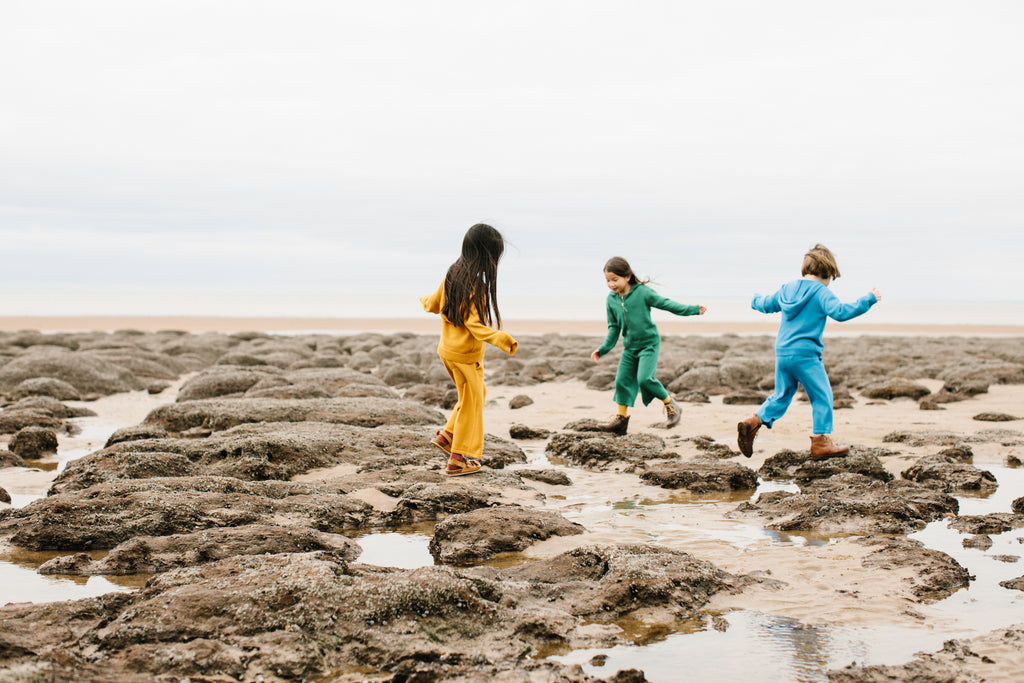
754, 646
404, 548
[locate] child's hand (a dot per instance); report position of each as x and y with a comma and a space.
878, 295
703, 310
596, 356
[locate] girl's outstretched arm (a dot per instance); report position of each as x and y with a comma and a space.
837, 310
655, 300
766, 304
432, 302
498, 338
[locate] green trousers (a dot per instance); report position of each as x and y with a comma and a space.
636, 375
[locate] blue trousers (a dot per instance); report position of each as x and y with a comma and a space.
636, 375
810, 372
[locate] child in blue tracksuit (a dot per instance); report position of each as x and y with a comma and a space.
805, 305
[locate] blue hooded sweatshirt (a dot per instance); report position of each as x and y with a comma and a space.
805, 305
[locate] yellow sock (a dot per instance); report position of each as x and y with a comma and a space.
666, 400
624, 411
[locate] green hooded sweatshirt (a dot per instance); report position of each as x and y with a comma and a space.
630, 315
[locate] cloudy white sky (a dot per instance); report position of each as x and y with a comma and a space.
339, 147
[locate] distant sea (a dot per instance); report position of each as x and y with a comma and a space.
398, 306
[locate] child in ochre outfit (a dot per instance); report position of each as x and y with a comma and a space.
467, 302
629, 314
805, 305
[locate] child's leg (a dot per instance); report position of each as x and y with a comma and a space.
785, 388
819, 390
650, 387
467, 420
453, 418
626, 385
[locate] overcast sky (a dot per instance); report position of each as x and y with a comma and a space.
330, 146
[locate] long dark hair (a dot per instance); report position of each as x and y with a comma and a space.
472, 279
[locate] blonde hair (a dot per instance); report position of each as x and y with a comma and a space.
821, 262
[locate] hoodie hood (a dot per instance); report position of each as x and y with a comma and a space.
794, 296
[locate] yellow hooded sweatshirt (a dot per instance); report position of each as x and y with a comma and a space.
465, 344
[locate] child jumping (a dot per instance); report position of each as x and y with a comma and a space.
468, 304
629, 313
805, 305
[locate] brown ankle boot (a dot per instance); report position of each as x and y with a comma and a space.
617, 426
746, 431
822, 447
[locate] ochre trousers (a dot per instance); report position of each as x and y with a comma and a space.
466, 423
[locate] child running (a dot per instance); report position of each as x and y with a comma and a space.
468, 304
629, 313
805, 305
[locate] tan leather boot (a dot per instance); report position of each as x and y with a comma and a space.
746, 431
822, 447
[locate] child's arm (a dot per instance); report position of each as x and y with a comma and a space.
614, 328
655, 300
837, 310
766, 304
432, 302
502, 340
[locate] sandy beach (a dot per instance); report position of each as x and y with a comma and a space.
818, 598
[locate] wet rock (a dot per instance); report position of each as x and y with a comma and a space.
1014, 584
929, 404
424, 502
427, 393
520, 401
959, 453
935, 575
403, 375
710, 447
520, 431
136, 433
981, 542
946, 474
220, 380
992, 523
104, 515
14, 420
752, 398
153, 554
853, 503
604, 451
896, 388
988, 371
553, 477
799, 465
156, 386
33, 442
4, 496
220, 414
603, 583
995, 417
603, 381
923, 438
109, 465
46, 386
301, 390
1008, 559
51, 406
483, 533
9, 459
1018, 505
87, 374
695, 397
701, 477
1013, 461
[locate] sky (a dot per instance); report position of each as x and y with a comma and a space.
344, 148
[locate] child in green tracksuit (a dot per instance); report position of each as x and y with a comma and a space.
629, 313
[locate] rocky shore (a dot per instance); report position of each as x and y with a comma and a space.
240, 495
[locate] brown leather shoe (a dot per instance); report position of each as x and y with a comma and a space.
822, 447
672, 413
617, 426
745, 433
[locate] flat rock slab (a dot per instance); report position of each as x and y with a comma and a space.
482, 534
152, 554
221, 414
852, 503
305, 616
992, 523
701, 477
105, 515
995, 417
799, 465
946, 474
606, 451
933, 575
896, 388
